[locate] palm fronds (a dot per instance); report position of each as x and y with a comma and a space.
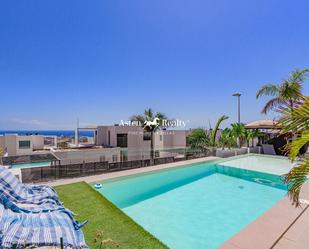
286, 93
215, 131
273, 103
227, 138
149, 114
199, 139
296, 122
268, 90
138, 118
296, 178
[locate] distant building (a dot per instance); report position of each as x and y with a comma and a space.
136, 144
135, 137
110, 143
16, 145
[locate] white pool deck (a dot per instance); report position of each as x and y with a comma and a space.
282, 227
277, 165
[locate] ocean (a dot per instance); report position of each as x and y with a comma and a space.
58, 133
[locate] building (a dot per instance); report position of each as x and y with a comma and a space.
129, 143
87, 155
135, 144
121, 136
16, 145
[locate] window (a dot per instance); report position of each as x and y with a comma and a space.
115, 158
157, 153
122, 140
161, 137
147, 136
109, 138
24, 144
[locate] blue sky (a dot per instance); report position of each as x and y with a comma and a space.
103, 61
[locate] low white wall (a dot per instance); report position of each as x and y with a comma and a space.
87, 155
37, 142
237, 151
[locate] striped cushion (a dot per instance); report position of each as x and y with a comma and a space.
19, 192
41, 229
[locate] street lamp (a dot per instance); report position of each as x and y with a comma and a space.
238, 96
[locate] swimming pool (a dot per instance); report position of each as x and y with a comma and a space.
30, 165
197, 206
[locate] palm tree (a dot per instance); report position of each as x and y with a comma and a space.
216, 128
1, 151
227, 138
297, 121
199, 139
256, 134
248, 135
285, 94
150, 115
238, 131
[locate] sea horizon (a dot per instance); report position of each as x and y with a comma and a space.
58, 133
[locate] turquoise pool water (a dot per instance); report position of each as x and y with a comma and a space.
198, 206
30, 165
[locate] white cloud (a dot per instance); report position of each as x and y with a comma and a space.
31, 122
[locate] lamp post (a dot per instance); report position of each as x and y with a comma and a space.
238, 97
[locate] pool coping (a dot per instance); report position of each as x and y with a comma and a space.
272, 229
130, 172
252, 154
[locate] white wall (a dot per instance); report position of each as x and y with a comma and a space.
135, 135
170, 139
37, 142
23, 151
10, 142
87, 155
138, 148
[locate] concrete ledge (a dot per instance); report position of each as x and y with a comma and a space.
269, 230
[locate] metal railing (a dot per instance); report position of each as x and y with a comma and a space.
51, 173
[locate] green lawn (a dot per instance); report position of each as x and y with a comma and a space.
103, 215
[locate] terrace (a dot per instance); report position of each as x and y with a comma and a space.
75, 172
74, 180
276, 228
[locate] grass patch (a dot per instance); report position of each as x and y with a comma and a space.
105, 216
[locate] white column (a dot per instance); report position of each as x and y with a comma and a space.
76, 134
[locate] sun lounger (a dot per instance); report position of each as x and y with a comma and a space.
18, 230
269, 149
19, 207
25, 193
